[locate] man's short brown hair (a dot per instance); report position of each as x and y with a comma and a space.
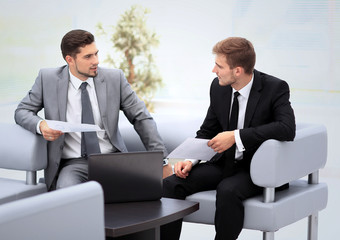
238, 51
73, 40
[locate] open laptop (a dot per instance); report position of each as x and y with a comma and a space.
128, 177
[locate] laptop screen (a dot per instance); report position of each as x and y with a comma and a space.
126, 177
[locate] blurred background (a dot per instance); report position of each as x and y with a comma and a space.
295, 40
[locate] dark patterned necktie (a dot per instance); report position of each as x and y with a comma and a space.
234, 113
229, 155
89, 140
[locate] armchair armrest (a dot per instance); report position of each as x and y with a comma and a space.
276, 163
76, 212
22, 150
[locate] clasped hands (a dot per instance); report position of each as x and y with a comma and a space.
220, 143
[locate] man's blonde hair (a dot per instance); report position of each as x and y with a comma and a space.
238, 51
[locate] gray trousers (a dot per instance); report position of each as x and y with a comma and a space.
72, 172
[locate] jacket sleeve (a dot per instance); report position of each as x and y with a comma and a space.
138, 115
280, 123
26, 113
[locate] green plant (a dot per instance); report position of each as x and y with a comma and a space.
132, 44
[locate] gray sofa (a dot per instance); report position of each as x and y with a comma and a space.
27, 211
76, 212
274, 164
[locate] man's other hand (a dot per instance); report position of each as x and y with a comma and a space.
183, 168
222, 141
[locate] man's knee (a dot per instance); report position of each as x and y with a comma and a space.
172, 188
67, 181
70, 175
64, 184
227, 194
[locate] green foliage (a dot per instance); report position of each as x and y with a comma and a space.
132, 43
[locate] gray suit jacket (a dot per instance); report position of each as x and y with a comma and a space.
114, 93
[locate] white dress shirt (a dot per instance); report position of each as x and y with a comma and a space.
242, 103
72, 147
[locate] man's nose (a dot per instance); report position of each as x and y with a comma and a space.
95, 60
214, 70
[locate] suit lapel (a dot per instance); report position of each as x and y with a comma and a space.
62, 88
227, 110
254, 96
101, 93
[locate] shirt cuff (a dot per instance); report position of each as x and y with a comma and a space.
38, 127
165, 161
238, 141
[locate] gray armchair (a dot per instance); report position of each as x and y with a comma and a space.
76, 212
274, 164
21, 150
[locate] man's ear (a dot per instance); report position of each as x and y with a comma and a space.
238, 71
69, 59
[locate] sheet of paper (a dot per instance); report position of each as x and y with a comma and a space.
73, 127
193, 148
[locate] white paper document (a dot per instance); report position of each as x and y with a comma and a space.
73, 127
193, 148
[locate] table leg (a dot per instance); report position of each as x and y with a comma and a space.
150, 234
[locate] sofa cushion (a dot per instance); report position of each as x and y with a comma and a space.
12, 189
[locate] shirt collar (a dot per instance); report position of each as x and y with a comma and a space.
245, 91
76, 82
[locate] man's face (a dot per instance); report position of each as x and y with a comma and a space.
225, 75
85, 64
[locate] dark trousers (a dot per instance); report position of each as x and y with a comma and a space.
231, 191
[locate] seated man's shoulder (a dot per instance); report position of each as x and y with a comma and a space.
53, 71
110, 73
105, 70
269, 78
271, 82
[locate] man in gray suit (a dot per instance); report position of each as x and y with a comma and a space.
57, 91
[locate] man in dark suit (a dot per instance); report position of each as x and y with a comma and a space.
59, 92
264, 113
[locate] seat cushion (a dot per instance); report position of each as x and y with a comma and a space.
12, 189
297, 202
206, 212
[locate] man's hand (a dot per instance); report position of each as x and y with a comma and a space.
48, 133
222, 141
183, 168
